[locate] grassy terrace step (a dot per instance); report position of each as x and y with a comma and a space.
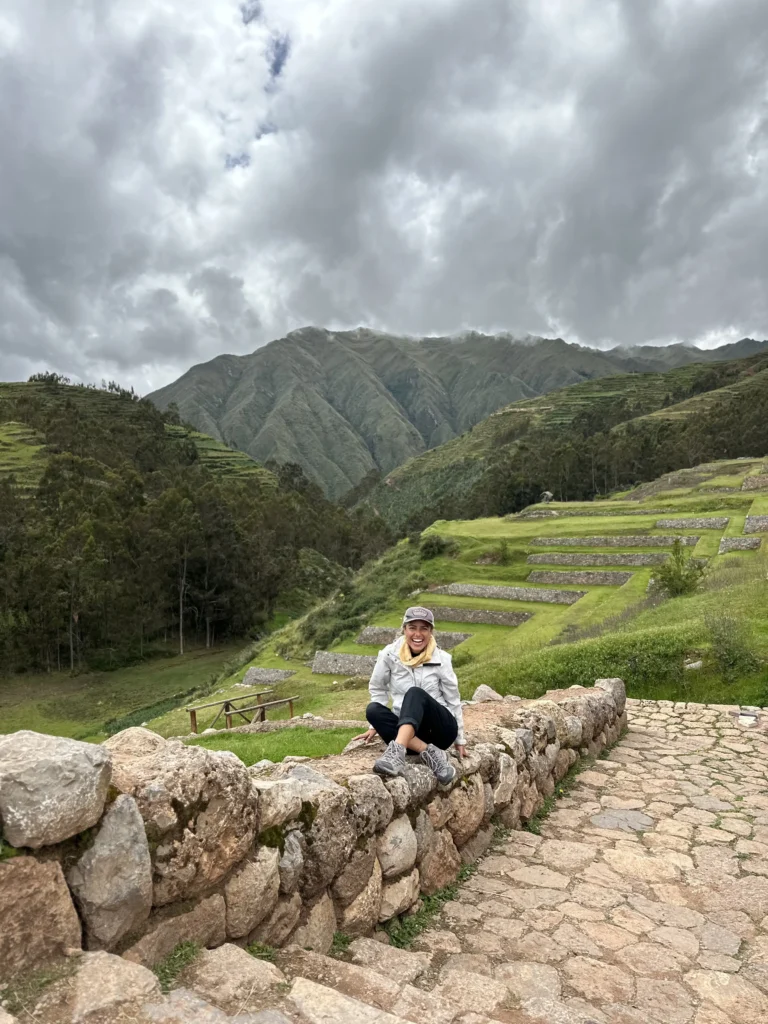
511, 593
617, 558
619, 541
377, 636
586, 578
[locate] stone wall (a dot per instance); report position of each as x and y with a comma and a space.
489, 616
511, 593
619, 558
738, 544
703, 523
379, 636
141, 843
756, 524
637, 541
585, 578
329, 663
265, 676
755, 483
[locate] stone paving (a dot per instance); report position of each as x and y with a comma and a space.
644, 900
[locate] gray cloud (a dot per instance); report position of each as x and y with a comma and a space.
175, 183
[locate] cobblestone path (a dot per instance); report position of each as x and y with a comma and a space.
644, 900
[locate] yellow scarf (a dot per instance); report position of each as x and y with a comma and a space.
412, 660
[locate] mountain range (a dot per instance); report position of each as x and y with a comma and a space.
345, 403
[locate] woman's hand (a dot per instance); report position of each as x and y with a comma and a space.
461, 750
366, 737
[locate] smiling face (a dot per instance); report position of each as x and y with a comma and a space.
417, 634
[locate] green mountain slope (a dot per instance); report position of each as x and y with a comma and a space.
584, 440
344, 403
25, 449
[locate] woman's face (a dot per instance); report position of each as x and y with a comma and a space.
417, 634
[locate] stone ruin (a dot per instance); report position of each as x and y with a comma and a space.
129, 848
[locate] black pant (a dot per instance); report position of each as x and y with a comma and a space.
433, 722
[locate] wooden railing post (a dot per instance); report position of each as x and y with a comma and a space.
193, 720
228, 714
290, 706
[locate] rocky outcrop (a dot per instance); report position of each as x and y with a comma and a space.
51, 788
198, 848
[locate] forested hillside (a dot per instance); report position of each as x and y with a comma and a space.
584, 441
119, 528
347, 404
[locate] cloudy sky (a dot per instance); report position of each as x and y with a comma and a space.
183, 179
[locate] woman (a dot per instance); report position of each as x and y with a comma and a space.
426, 707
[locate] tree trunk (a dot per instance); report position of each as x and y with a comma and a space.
182, 587
71, 637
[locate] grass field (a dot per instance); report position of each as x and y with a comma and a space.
253, 747
81, 706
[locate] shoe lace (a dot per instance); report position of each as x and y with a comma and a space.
434, 759
393, 753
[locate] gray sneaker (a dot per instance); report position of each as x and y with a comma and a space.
437, 760
392, 761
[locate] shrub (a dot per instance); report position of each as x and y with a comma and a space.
505, 556
679, 575
433, 545
732, 644
642, 657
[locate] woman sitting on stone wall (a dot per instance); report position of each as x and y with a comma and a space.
426, 707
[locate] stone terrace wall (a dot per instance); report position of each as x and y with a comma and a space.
486, 615
584, 578
379, 635
141, 843
619, 558
511, 593
331, 664
739, 544
639, 541
756, 524
703, 523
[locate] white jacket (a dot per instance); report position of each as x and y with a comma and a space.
391, 678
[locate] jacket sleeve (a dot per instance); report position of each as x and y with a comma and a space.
379, 684
450, 687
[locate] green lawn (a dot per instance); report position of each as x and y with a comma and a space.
81, 706
253, 747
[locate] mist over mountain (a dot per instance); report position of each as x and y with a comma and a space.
344, 403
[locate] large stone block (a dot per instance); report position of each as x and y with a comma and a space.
112, 881
200, 811
251, 891
231, 978
397, 848
440, 864
275, 929
105, 983
617, 690
371, 805
204, 924
468, 804
292, 862
51, 788
356, 875
397, 897
505, 787
363, 912
38, 920
279, 801
317, 925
